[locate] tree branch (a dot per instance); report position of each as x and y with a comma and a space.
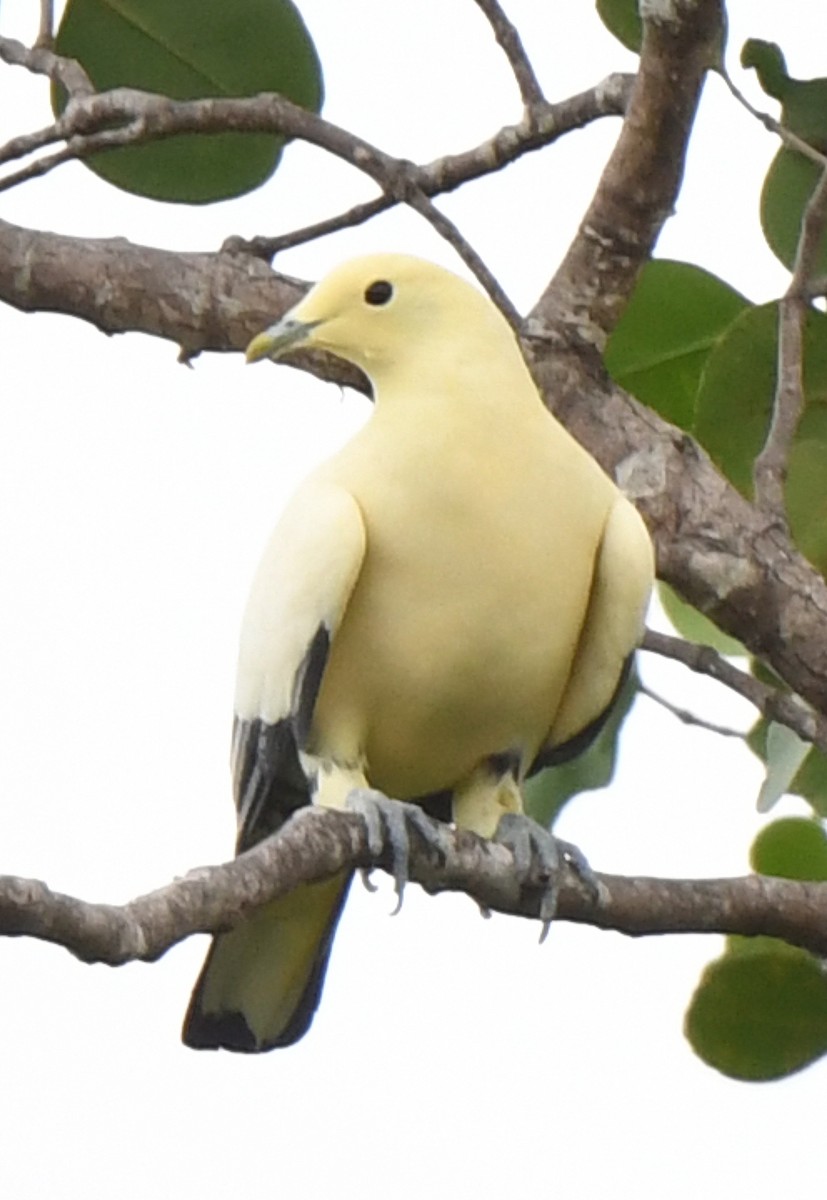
776, 706
87, 128
770, 467
317, 843
512, 46
685, 716
446, 228
791, 140
45, 32
41, 61
640, 183
141, 117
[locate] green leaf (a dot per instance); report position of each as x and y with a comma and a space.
792, 848
760, 1015
676, 315
792, 177
546, 793
811, 781
788, 185
186, 50
807, 487
786, 752
734, 406
769, 64
736, 393
621, 18
694, 626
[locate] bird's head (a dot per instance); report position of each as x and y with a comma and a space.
383, 311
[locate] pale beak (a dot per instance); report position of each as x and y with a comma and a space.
279, 338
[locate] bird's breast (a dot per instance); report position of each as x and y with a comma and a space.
459, 636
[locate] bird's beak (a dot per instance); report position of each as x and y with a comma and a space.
279, 338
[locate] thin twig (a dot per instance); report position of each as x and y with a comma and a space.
540, 128
791, 140
45, 33
775, 705
511, 43
40, 60
686, 717
448, 230
144, 117
268, 247
770, 468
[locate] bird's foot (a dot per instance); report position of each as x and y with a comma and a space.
540, 859
389, 826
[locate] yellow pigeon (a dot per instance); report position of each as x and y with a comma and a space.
446, 606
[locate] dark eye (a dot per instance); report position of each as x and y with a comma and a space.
379, 292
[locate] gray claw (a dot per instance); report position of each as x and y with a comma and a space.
388, 823
539, 858
578, 862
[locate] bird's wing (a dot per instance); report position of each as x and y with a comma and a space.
261, 982
612, 629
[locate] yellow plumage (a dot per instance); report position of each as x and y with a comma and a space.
445, 604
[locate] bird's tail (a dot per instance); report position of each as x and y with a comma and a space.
262, 981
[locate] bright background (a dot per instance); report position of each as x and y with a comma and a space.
451, 1057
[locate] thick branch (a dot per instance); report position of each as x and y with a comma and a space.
317, 844
198, 301
640, 183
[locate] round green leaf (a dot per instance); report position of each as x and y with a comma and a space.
792, 848
733, 412
761, 1015
621, 18
787, 188
186, 50
658, 350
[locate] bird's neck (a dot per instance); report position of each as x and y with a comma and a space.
457, 385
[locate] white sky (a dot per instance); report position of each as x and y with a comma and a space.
450, 1056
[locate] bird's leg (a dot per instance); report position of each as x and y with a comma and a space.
540, 858
389, 825
490, 803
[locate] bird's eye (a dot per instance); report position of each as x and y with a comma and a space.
379, 292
